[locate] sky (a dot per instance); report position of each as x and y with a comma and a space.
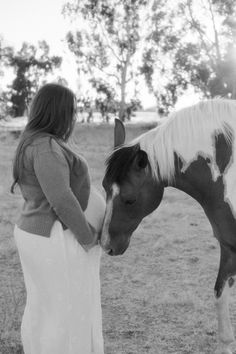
34, 20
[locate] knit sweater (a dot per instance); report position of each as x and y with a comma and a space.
55, 185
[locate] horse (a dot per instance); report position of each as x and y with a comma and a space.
193, 150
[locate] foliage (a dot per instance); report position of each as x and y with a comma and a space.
193, 43
31, 64
131, 107
4, 107
211, 59
105, 102
106, 46
162, 39
5, 53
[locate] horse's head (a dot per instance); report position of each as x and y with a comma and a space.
131, 191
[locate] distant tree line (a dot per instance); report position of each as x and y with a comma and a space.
170, 45
30, 65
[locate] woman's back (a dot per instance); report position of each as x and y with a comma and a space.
44, 178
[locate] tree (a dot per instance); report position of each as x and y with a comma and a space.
105, 102
191, 43
107, 41
162, 40
4, 107
194, 45
31, 64
5, 54
210, 58
131, 107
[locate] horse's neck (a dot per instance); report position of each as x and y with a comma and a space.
193, 180
215, 192
206, 172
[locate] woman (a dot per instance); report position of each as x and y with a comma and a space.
56, 234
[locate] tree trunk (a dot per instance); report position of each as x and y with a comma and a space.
123, 87
122, 104
19, 106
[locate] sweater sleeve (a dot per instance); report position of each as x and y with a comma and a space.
53, 174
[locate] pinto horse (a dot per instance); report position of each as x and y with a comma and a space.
193, 150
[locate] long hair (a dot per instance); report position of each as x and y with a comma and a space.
51, 113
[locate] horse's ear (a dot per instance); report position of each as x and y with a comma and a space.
141, 160
119, 133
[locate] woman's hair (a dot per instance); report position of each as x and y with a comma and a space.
52, 113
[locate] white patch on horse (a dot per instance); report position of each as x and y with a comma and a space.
105, 239
186, 132
229, 176
115, 190
230, 182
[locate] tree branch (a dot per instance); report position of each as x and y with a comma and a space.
107, 41
200, 32
218, 54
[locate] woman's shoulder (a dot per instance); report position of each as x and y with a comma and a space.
46, 144
49, 144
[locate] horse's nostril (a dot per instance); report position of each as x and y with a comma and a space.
110, 252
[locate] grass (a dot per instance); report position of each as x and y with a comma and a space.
157, 298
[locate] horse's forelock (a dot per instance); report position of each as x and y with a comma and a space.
119, 162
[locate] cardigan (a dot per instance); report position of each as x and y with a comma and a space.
55, 185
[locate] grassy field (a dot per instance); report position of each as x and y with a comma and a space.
157, 298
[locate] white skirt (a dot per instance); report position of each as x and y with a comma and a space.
63, 307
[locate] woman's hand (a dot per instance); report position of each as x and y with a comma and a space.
95, 241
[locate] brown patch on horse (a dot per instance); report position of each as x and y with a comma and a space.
223, 150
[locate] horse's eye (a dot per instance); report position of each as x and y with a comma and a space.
130, 201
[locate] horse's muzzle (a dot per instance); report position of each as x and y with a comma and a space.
113, 249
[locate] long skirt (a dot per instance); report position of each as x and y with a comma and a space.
63, 307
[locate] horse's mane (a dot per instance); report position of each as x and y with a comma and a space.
185, 128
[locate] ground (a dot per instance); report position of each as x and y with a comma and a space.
157, 298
